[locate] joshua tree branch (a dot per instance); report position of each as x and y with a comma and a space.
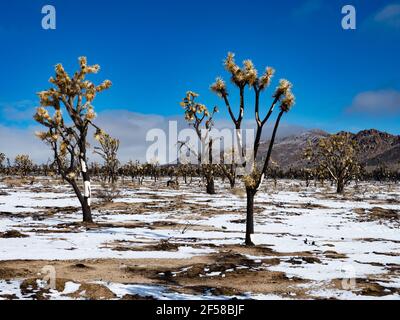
241, 111
257, 106
225, 96
271, 144
271, 109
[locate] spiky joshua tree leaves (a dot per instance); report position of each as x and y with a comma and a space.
198, 116
337, 156
247, 76
67, 113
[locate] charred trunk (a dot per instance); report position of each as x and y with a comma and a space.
250, 216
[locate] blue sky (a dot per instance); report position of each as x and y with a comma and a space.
154, 51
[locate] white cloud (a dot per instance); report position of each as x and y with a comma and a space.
130, 127
380, 102
389, 15
15, 141
17, 111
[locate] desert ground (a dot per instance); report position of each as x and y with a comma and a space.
154, 242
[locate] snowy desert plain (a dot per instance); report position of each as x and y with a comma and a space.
155, 242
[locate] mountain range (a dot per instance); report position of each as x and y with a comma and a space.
376, 148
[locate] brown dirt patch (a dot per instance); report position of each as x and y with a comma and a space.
93, 291
31, 288
367, 287
12, 234
378, 213
334, 255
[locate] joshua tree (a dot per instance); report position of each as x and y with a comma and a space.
228, 167
198, 116
23, 165
95, 169
152, 169
184, 170
2, 159
71, 97
108, 151
134, 170
382, 173
337, 156
247, 76
45, 168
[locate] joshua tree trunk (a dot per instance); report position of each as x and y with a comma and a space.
340, 186
87, 211
209, 171
87, 190
210, 184
87, 194
84, 201
250, 216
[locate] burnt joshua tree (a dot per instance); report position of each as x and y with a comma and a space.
337, 156
243, 77
70, 100
198, 116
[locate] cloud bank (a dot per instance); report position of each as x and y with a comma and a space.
380, 102
389, 16
130, 127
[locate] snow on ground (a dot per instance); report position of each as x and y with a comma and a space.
157, 292
292, 220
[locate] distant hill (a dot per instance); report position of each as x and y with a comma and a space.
378, 148
375, 148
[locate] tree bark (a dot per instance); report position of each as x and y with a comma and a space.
250, 216
340, 186
210, 174
87, 192
210, 185
86, 210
